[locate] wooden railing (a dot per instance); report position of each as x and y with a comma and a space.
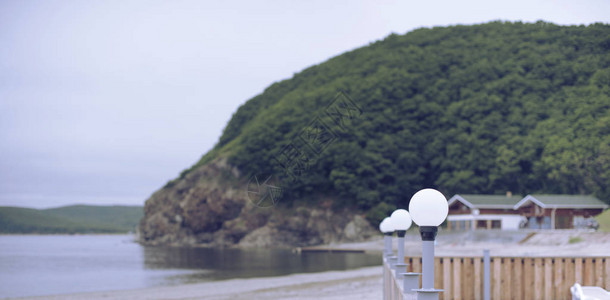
512, 277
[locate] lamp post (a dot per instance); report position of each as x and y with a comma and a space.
428, 209
386, 228
401, 221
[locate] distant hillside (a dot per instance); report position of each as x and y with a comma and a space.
70, 219
481, 109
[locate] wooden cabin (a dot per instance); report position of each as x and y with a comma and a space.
508, 212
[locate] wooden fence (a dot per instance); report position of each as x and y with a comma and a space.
515, 277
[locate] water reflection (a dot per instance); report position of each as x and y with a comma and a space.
243, 263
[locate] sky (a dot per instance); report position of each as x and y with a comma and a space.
103, 102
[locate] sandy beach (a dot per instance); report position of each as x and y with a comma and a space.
365, 283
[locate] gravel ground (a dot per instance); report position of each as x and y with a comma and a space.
511, 243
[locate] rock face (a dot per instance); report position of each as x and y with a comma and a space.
209, 207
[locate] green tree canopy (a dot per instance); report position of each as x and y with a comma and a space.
487, 108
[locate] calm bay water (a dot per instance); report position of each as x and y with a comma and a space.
32, 265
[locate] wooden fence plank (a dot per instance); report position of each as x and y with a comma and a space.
417, 264
599, 272
507, 286
570, 274
528, 278
447, 278
578, 270
468, 273
607, 273
438, 276
496, 278
457, 278
538, 280
517, 278
548, 279
558, 275
478, 278
588, 271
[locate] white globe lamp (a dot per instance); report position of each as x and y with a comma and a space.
386, 226
401, 220
428, 209
387, 229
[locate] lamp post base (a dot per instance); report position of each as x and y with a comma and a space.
392, 260
400, 268
410, 282
427, 294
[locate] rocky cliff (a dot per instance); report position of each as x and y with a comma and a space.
209, 207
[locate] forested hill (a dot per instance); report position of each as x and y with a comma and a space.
70, 219
486, 108
467, 109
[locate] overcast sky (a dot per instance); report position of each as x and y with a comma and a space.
103, 102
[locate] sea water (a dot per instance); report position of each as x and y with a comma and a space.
35, 265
